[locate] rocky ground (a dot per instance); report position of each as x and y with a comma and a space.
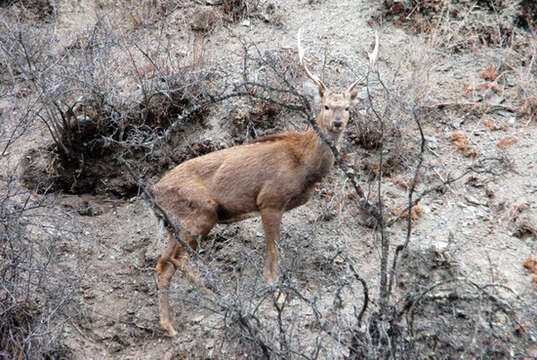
477, 109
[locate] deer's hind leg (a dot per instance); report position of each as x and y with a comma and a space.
197, 226
165, 271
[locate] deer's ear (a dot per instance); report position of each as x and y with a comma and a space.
354, 95
357, 94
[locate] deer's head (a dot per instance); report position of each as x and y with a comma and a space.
334, 106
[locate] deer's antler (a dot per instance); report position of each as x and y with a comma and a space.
373, 57
315, 79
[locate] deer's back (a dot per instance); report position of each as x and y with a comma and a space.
240, 180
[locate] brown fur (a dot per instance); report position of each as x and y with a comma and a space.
271, 175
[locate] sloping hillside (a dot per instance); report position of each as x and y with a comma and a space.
446, 120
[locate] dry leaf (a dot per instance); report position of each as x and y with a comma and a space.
491, 125
467, 90
417, 211
460, 141
531, 264
401, 183
491, 73
507, 142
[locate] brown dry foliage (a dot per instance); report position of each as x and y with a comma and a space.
507, 142
436, 18
391, 165
490, 85
491, 125
417, 211
467, 90
402, 183
460, 141
531, 264
490, 74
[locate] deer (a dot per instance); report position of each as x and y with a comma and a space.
267, 177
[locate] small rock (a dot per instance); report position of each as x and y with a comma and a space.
493, 98
474, 201
505, 113
432, 142
511, 121
197, 319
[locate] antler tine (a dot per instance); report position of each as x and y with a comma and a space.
314, 78
373, 57
349, 89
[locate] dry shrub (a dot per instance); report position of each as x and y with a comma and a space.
456, 24
236, 10
204, 20
452, 317
254, 120
37, 293
29, 10
91, 117
366, 136
527, 18
391, 165
96, 133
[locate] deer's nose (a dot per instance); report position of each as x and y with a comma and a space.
337, 123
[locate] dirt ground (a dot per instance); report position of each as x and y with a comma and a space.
484, 224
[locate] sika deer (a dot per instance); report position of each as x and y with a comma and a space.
268, 177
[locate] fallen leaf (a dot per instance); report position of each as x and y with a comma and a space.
491, 125
531, 264
507, 142
490, 74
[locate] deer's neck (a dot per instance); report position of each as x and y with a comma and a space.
317, 156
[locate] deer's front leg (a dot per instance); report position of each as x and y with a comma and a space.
271, 223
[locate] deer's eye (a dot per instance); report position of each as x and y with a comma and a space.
326, 107
346, 109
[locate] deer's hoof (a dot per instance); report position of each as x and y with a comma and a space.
172, 332
169, 328
270, 276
